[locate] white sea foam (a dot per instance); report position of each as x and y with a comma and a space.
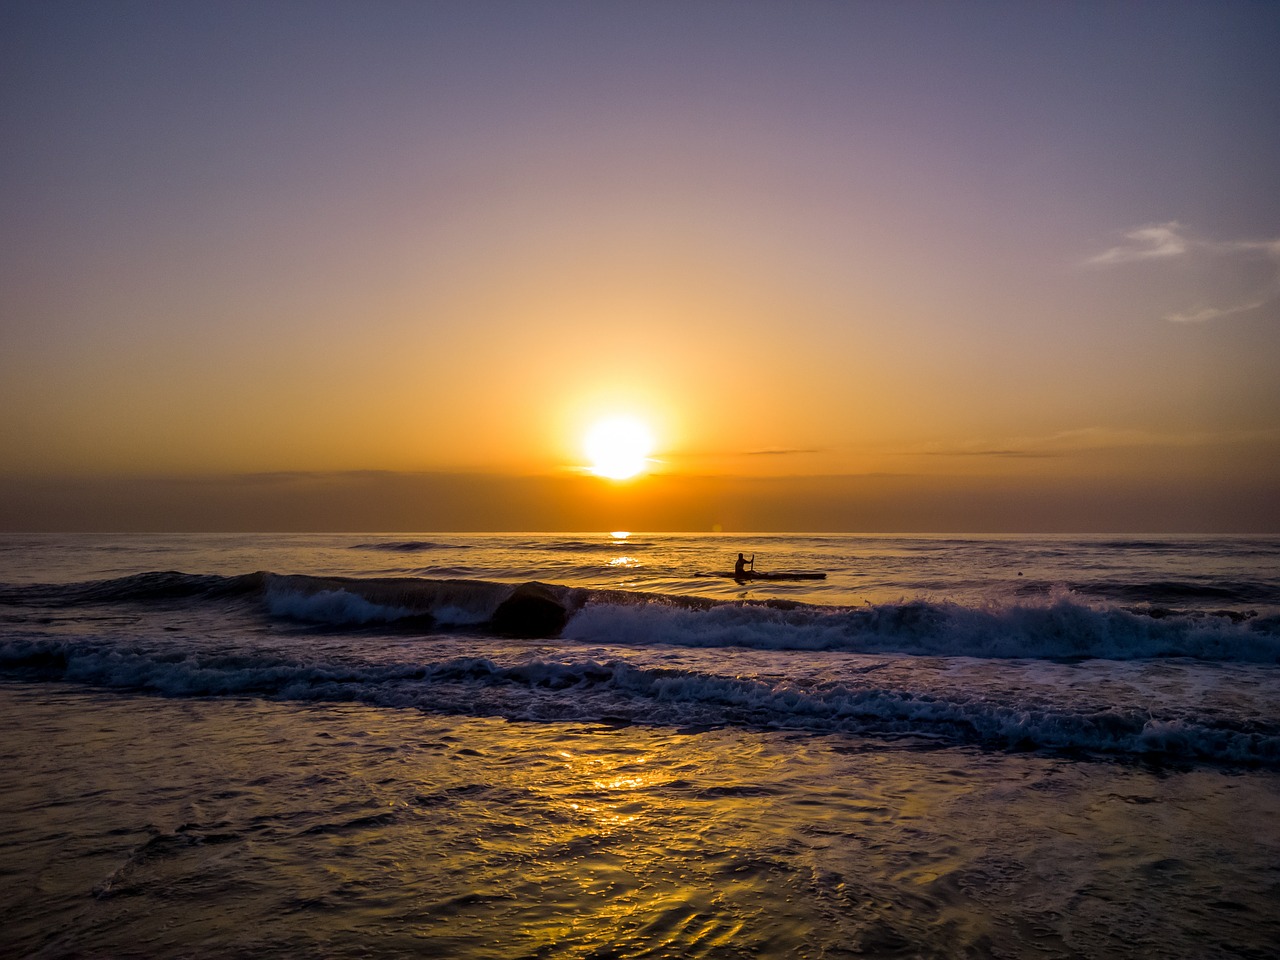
1062, 629
593, 689
1163, 651
453, 615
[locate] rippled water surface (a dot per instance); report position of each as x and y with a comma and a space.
155, 827
581, 746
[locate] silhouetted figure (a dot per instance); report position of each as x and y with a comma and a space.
740, 568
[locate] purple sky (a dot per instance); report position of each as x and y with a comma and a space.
1029, 245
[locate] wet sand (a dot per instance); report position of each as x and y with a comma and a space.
148, 827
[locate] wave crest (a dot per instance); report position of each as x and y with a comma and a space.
592, 690
1059, 626
1062, 630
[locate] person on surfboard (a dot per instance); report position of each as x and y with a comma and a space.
740, 568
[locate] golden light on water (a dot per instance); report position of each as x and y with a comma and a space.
618, 447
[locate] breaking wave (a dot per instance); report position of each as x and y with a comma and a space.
441, 645
1063, 629
1052, 627
591, 690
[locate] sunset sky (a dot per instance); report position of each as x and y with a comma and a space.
856, 266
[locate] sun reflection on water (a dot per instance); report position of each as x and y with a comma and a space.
606, 795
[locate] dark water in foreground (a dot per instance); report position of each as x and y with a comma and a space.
384, 746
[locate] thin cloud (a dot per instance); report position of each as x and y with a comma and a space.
1213, 313
276, 478
1154, 242
705, 454
1009, 454
1220, 258
1084, 440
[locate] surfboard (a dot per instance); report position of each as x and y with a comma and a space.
765, 575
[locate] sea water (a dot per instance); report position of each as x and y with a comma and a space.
581, 746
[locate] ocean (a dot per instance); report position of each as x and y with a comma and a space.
585, 746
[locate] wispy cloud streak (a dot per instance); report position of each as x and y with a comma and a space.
1213, 313
1082, 440
1172, 240
1153, 242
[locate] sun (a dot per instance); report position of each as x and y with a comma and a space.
618, 447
